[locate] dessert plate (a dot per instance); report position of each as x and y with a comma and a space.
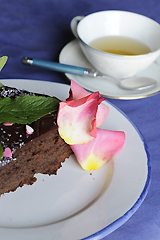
76, 204
72, 54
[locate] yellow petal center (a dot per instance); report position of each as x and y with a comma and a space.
92, 163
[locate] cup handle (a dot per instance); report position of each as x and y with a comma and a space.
74, 24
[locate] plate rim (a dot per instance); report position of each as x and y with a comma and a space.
127, 215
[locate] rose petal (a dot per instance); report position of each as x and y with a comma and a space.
77, 119
94, 154
7, 124
29, 130
77, 92
7, 153
101, 115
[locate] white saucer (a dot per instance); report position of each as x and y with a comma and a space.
71, 54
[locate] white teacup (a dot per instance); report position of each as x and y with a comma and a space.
117, 24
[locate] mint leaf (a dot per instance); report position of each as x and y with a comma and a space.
1, 151
3, 61
26, 109
1, 85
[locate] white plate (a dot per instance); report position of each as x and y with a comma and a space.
71, 54
76, 204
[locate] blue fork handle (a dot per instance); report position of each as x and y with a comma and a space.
59, 67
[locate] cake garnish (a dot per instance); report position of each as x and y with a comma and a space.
8, 124
79, 119
3, 61
1, 151
29, 130
74, 128
101, 149
26, 109
7, 153
77, 92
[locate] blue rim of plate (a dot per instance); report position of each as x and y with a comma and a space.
124, 218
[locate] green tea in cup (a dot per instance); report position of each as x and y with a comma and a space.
120, 45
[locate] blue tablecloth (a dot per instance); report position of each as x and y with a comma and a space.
40, 29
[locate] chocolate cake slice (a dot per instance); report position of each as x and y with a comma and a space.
28, 147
